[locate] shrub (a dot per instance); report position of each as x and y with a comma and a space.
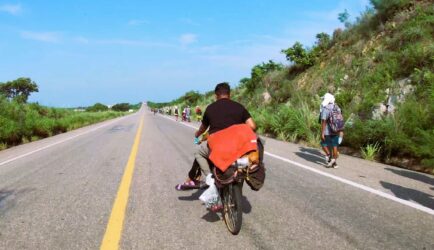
414, 121
414, 56
362, 133
387, 8
365, 25
295, 123
122, 107
97, 107
36, 125
9, 133
263, 118
370, 151
299, 55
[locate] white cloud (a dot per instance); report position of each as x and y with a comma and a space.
187, 39
13, 9
50, 37
137, 22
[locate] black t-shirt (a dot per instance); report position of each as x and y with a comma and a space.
224, 113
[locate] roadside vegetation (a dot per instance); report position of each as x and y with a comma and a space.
380, 69
22, 122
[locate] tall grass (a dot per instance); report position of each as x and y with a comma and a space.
370, 151
288, 123
22, 123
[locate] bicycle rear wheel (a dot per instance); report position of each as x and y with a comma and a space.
232, 213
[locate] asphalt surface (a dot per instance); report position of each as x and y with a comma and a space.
61, 197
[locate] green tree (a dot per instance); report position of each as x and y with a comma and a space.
191, 97
244, 81
122, 107
299, 55
257, 74
97, 107
323, 41
343, 18
136, 106
19, 89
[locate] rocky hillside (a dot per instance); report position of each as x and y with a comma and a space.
381, 70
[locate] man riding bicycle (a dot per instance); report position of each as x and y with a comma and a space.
219, 115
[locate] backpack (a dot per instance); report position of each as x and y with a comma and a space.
335, 119
256, 175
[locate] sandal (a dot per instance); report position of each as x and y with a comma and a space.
188, 185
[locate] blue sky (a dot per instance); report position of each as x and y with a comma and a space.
81, 52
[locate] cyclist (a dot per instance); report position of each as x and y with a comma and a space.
219, 115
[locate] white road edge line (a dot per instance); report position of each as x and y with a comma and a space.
62, 141
334, 177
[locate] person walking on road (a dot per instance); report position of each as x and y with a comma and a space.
188, 113
329, 139
198, 112
176, 112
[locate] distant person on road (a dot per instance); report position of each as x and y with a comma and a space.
198, 112
176, 113
183, 114
188, 113
329, 140
221, 114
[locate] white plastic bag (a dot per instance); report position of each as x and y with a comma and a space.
211, 195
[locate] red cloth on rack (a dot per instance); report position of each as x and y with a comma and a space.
229, 144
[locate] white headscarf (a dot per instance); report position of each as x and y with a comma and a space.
327, 98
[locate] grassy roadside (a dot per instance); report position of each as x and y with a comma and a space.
22, 123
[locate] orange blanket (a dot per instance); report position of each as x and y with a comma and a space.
229, 144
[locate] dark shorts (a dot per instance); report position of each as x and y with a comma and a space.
330, 141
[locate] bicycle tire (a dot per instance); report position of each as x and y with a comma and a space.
233, 213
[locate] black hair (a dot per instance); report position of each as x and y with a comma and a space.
222, 89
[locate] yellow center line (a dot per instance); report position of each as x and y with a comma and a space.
113, 232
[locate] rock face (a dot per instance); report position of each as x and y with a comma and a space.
403, 88
267, 97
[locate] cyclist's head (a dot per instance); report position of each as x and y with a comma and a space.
222, 90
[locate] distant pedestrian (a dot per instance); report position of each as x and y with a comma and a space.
184, 111
188, 113
331, 129
176, 113
198, 112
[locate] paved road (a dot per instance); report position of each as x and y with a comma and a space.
62, 197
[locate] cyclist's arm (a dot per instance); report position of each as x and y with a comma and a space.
200, 131
251, 124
